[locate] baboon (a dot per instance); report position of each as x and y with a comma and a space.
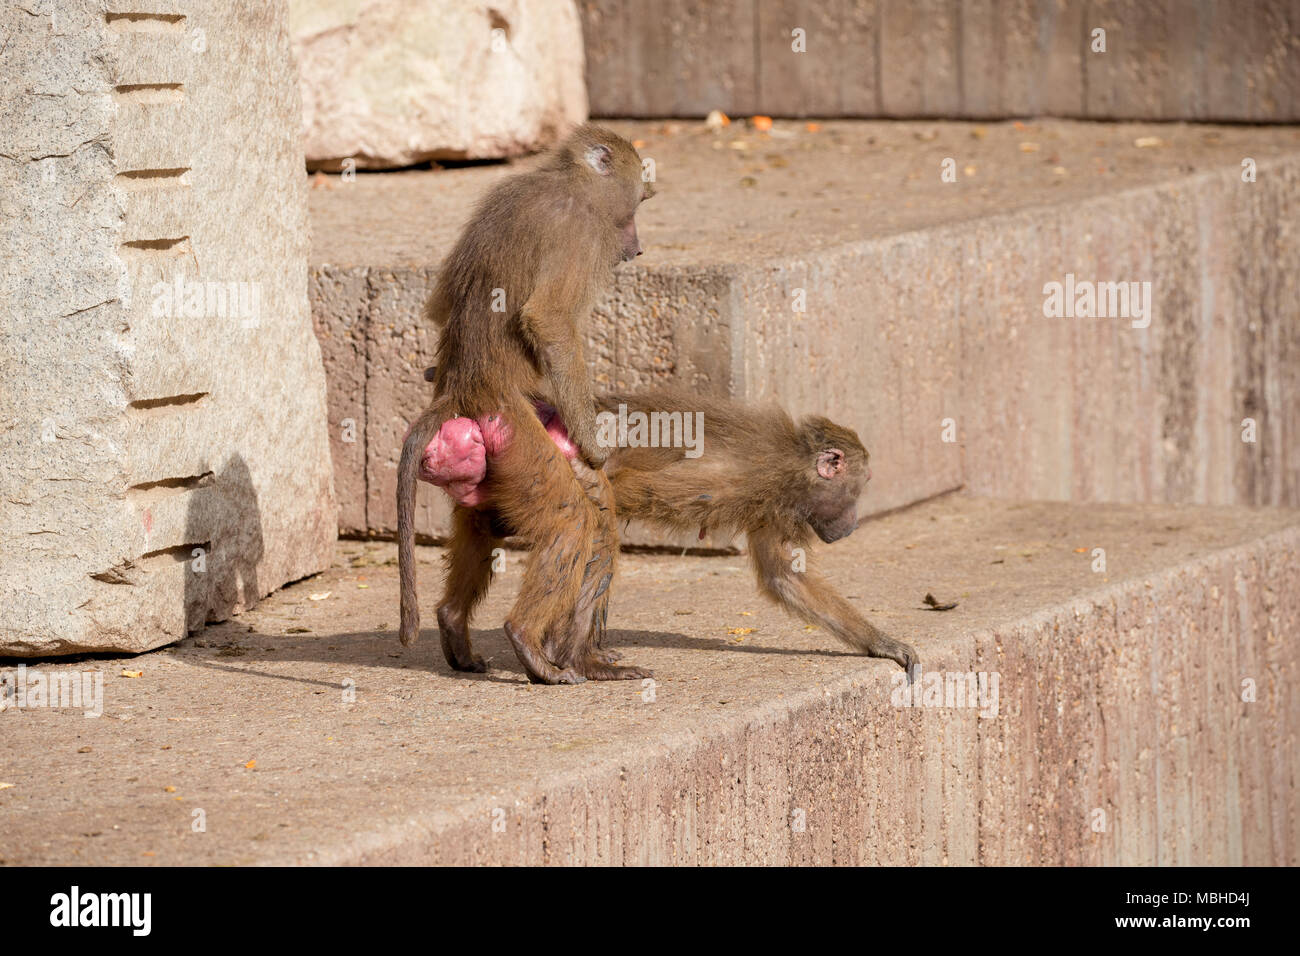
761, 473
510, 301
758, 472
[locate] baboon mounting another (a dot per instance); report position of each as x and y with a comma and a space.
510, 302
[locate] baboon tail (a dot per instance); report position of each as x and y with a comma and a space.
408, 472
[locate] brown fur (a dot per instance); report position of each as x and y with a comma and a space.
550, 239
757, 474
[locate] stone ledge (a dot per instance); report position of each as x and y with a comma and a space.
1119, 691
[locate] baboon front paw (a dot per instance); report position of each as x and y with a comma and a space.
593, 457
904, 654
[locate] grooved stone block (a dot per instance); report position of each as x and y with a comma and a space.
162, 406
837, 273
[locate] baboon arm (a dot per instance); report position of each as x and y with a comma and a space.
805, 594
548, 326
811, 598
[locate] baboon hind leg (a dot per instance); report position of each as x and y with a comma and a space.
469, 572
542, 501
577, 641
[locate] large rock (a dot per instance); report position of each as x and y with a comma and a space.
395, 82
166, 461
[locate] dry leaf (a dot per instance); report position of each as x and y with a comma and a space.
741, 630
934, 604
320, 596
7, 786
1146, 142
132, 673
169, 789
1029, 147
761, 122
813, 127
251, 764
716, 120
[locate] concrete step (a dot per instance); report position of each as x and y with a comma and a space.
1146, 714
924, 303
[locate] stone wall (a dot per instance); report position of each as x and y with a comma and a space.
1215, 60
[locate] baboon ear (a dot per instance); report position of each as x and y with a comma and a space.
830, 462
600, 158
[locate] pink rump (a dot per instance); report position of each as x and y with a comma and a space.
456, 459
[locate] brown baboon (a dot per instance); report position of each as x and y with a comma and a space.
760, 473
750, 470
510, 300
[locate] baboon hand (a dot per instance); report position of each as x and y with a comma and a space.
904, 654
592, 454
584, 436
578, 441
